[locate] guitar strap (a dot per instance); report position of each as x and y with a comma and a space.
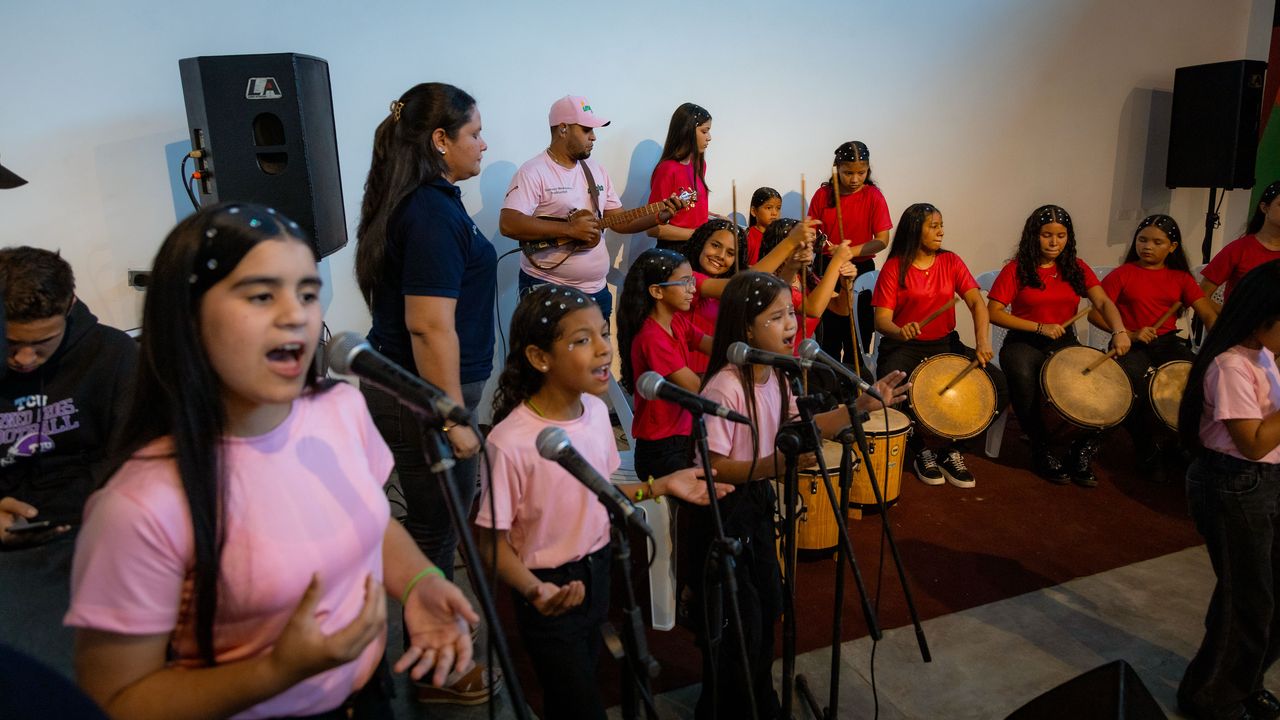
594, 192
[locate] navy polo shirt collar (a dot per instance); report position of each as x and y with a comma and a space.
445, 186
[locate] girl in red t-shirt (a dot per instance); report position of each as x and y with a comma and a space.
715, 257
1260, 243
1033, 296
918, 278
683, 164
800, 265
766, 206
866, 224
1155, 275
655, 333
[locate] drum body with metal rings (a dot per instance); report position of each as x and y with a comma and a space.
887, 443
817, 529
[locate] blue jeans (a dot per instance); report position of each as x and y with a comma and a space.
603, 297
427, 519
1235, 504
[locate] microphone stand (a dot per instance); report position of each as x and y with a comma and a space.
792, 441
638, 665
721, 557
440, 460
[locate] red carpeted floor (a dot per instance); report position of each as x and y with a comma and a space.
1012, 534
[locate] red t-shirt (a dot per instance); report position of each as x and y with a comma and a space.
671, 176
1142, 295
754, 238
702, 315
926, 291
810, 324
1236, 260
1056, 302
653, 348
864, 213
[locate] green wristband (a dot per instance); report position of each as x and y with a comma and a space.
433, 570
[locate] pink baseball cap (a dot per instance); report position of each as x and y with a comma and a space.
574, 110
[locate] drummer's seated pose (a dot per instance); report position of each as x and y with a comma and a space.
1150, 290
1035, 297
903, 302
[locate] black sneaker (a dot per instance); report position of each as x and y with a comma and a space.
953, 467
927, 469
1263, 704
1081, 458
1044, 464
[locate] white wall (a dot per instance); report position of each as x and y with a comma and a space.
986, 108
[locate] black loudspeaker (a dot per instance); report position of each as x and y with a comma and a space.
264, 127
1213, 132
1112, 691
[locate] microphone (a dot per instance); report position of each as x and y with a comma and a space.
811, 351
653, 386
740, 353
553, 444
350, 354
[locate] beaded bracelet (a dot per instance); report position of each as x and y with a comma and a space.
433, 570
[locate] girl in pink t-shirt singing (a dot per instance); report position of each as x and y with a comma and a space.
548, 532
237, 563
757, 309
1230, 415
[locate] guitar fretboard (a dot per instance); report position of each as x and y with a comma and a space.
625, 217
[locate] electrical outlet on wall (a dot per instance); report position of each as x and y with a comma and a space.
139, 279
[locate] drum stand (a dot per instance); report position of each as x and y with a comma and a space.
793, 440
854, 433
721, 561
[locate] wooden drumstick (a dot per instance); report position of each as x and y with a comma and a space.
734, 214
1167, 314
1097, 363
1076, 317
804, 371
934, 315
960, 376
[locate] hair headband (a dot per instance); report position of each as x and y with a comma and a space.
217, 256
1163, 222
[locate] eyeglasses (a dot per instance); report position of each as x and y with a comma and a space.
689, 283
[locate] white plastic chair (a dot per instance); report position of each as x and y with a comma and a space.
864, 283
1094, 337
1198, 273
662, 573
995, 433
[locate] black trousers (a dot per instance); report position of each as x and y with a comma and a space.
1021, 357
655, 458
836, 337
909, 354
1235, 504
1142, 423
565, 648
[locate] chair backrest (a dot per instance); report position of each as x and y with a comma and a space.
985, 281
866, 283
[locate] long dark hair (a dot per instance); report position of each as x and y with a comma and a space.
1028, 257
178, 394
746, 296
1259, 217
682, 141
655, 265
906, 238
849, 152
403, 159
535, 322
1177, 258
777, 232
761, 196
1254, 305
693, 246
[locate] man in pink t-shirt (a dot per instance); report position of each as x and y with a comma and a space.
554, 184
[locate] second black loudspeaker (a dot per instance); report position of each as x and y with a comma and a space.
264, 124
1213, 130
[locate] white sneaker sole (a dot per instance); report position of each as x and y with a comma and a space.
957, 481
928, 480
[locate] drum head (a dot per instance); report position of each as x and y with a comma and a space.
964, 410
898, 423
1166, 387
1098, 400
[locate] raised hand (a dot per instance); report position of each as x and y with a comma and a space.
689, 485
438, 618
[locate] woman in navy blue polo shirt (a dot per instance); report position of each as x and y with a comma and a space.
428, 276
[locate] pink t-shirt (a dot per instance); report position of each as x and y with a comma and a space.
543, 187
1054, 302
1142, 295
925, 291
665, 353
671, 176
733, 440
304, 498
552, 518
1240, 384
1235, 261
